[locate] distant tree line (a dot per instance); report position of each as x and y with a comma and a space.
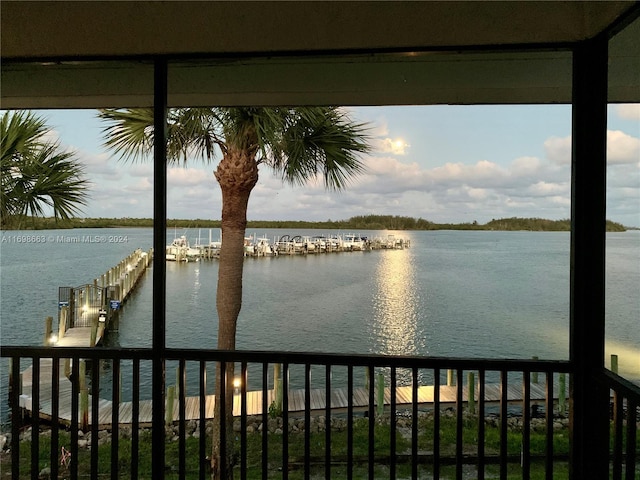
365, 222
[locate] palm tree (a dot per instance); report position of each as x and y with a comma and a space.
35, 172
297, 143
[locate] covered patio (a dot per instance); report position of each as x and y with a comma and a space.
97, 54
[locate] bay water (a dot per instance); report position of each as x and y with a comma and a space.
480, 294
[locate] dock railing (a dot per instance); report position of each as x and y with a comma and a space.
347, 416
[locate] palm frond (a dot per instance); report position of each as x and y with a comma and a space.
191, 132
20, 133
129, 133
321, 141
36, 173
299, 143
52, 178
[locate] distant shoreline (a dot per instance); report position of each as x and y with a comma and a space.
368, 222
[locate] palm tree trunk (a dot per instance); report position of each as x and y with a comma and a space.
237, 174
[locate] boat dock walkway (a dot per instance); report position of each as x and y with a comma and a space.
296, 400
86, 312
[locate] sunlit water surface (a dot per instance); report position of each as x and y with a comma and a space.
453, 293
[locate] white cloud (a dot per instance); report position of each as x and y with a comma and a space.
558, 150
621, 148
429, 179
393, 146
525, 166
141, 170
478, 193
386, 174
482, 173
142, 186
52, 136
628, 111
545, 189
379, 128
181, 177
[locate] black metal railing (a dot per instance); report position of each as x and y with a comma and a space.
625, 416
298, 415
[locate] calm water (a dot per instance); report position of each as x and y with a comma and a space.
469, 294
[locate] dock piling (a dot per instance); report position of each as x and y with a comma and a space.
614, 363
471, 385
171, 393
48, 330
562, 393
62, 324
450, 378
277, 387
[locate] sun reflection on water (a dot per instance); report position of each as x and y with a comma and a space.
395, 326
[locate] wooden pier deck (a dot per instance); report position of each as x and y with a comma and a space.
77, 337
123, 278
296, 399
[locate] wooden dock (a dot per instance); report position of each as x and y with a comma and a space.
85, 314
296, 400
83, 321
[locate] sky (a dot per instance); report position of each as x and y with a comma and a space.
445, 164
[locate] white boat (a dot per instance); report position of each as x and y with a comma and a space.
309, 245
320, 243
264, 248
391, 242
354, 242
288, 244
181, 251
259, 247
177, 251
334, 242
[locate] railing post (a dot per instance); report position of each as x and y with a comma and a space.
471, 385
16, 419
380, 399
84, 397
72, 308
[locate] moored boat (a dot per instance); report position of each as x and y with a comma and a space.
178, 250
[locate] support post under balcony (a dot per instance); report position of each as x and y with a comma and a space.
159, 264
589, 398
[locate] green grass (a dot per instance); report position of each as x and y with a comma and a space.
296, 448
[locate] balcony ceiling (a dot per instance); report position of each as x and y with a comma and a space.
68, 54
